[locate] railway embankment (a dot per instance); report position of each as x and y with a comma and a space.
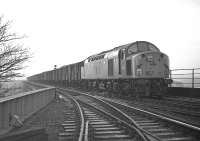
18, 86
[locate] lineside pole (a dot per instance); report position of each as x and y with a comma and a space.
55, 80
170, 76
193, 78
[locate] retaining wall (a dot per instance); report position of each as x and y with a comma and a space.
186, 92
37, 134
23, 105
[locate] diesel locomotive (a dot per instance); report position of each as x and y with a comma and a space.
134, 69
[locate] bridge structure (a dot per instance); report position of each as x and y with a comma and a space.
185, 77
17, 108
186, 82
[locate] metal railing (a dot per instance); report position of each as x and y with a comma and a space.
185, 77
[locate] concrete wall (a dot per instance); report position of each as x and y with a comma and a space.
37, 134
23, 105
186, 92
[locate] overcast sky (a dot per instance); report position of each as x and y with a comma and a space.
62, 32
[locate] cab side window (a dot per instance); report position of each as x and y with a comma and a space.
128, 67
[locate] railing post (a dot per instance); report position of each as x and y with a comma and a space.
193, 78
170, 76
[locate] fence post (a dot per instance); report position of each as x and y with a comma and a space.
170, 76
193, 78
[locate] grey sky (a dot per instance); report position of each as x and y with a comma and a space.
63, 32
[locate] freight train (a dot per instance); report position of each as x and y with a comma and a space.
134, 69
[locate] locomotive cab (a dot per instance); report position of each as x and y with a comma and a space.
128, 55
131, 68
148, 68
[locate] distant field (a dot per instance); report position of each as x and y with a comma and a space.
15, 87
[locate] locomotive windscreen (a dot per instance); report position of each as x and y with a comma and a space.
141, 46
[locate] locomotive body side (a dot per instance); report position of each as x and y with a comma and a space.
138, 68
104, 67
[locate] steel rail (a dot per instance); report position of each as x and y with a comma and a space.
86, 131
81, 133
129, 118
121, 121
186, 125
144, 111
134, 125
159, 116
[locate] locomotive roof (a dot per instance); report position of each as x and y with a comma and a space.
124, 47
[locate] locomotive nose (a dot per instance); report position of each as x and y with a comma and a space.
152, 64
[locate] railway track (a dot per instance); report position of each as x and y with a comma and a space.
104, 128
74, 121
192, 108
156, 127
188, 113
188, 100
159, 126
97, 123
185, 110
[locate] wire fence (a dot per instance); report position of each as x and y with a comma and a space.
185, 77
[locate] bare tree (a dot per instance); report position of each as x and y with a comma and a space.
12, 55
